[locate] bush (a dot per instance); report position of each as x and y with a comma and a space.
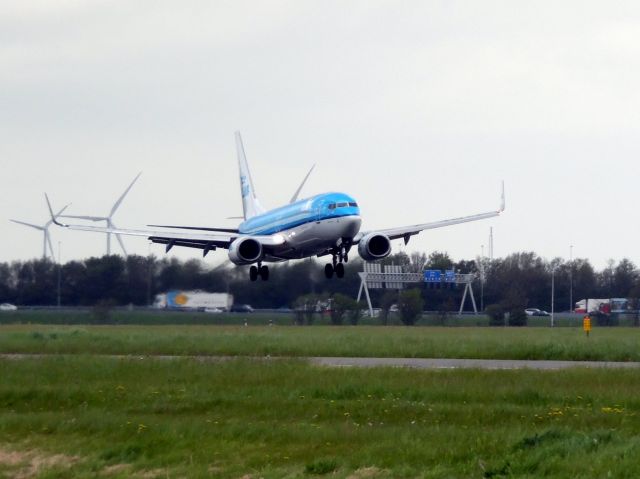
305, 308
102, 310
603, 319
321, 466
517, 317
410, 304
342, 305
496, 315
389, 298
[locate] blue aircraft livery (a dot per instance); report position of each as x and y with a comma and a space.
324, 226
316, 208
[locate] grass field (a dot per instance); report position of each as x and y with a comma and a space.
611, 344
149, 317
98, 417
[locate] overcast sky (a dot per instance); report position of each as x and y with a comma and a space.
417, 109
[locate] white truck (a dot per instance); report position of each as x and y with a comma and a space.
194, 300
593, 305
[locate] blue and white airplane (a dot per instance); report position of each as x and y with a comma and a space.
327, 224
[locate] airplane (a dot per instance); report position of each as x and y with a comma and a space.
327, 224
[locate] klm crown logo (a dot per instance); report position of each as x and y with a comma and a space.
244, 186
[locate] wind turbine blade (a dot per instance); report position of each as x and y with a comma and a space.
117, 203
28, 224
90, 218
57, 214
119, 238
54, 218
295, 195
48, 237
62, 209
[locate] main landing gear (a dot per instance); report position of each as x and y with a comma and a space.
262, 271
337, 267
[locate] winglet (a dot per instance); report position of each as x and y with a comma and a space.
502, 199
53, 217
295, 195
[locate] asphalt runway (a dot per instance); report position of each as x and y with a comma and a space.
416, 363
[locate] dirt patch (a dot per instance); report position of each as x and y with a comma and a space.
115, 469
367, 473
151, 474
12, 458
30, 463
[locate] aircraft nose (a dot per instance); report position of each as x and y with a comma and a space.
351, 226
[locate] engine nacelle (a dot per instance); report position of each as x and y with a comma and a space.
245, 251
374, 246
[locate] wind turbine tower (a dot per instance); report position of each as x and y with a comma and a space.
46, 237
109, 218
491, 243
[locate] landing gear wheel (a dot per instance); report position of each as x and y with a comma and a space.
264, 273
346, 258
328, 271
339, 270
253, 273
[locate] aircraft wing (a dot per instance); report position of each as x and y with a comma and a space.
407, 231
207, 240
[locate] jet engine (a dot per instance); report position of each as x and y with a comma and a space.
374, 246
245, 251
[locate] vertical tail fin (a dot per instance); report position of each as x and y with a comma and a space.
250, 204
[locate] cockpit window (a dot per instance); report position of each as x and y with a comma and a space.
332, 206
351, 203
342, 205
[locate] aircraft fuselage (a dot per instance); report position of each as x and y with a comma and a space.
310, 226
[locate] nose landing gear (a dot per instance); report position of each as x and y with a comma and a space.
337, 265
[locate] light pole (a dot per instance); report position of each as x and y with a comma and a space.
553, 286
571, 307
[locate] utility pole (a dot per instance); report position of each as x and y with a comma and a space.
59, 271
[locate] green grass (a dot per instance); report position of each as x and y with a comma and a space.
610, 344
284, 418
146, 317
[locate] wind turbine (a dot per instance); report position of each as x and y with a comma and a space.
109, 218
46, 240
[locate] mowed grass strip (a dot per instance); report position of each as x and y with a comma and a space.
285, 418
604, 344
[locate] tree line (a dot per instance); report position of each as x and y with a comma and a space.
522, 279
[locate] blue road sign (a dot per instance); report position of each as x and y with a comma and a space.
450, 276
432, 275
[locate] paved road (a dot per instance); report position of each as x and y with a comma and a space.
418, 363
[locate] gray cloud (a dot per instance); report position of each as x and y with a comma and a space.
418, 109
